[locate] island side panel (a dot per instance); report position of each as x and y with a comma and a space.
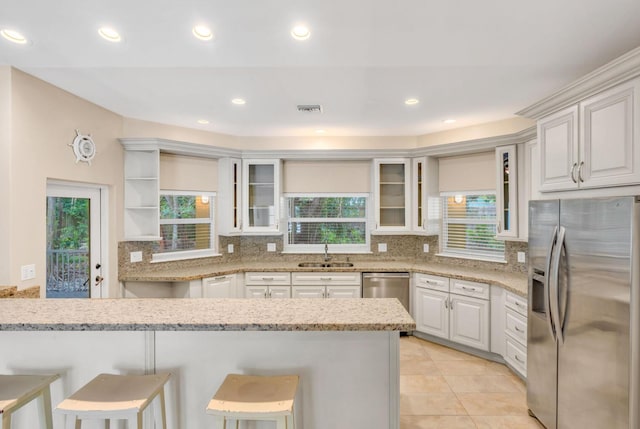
346, 378
77, 356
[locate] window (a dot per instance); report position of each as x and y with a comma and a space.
186, 225
337, 220
469, 226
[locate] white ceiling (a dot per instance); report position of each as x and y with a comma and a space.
475, 61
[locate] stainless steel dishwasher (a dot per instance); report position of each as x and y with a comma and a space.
387, 285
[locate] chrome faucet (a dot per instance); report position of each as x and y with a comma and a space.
327, 258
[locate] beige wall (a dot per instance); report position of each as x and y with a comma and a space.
491, 129
135, 128
44, 120
188, 173
5, 175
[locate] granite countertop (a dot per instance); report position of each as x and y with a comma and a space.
204, 315
514, 282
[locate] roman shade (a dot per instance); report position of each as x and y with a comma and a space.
327, 176
472, 172
187, 173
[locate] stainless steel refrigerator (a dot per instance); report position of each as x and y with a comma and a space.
583, 324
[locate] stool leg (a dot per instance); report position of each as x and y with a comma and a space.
44, 408
5, 421
160, 411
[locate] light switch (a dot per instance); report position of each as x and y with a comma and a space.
136, 256
382, 247
28, 272
425, 248
271, 247
229, 248
521, 258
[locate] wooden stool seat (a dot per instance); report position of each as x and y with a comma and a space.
250, 397
19, 390
110, 396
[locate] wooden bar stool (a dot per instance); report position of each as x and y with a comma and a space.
249, 397
19, 390
110, 396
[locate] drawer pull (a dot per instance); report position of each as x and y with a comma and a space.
325, 278
472, 289
267, 278
518, 329
432, 282
517, 303
220, 278
518, 359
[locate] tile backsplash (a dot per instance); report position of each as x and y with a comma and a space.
254, 249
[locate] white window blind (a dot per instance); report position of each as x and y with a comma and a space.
327, 176
337, 220
179, 172
455, 172
469, 226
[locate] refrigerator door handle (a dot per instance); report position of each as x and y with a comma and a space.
547, 276
553, 286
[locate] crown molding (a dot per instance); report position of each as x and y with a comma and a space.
621, 69
447, 149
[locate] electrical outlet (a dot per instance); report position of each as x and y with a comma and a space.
229, 248
135, 256
382, 247
425, 248
521, 258
28, 272
271, 247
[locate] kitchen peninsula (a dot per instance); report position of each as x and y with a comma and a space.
345, 351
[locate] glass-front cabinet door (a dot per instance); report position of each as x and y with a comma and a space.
392, 184
261, 195
506, 192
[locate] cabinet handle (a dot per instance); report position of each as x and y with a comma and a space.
325, 278
499, 227
446, 303
269, 294
518, 329
451, 304
220, 278
432, 282
324, 294
518, 359
472, 289
580, 172
424, 224
267, 278
265, 294
573, 169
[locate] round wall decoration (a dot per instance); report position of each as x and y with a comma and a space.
83, 147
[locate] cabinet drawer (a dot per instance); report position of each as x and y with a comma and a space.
324, 278
516, 303
432, 282
476, 290
267, 279
516, 326
516, 356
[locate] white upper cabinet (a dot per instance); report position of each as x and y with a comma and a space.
229, 195
609, 121
507, 191
424, 190
261, 195
392, 194
141, 195
594, 143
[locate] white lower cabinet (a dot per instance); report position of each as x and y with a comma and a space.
219, 287
462, 316
326, 285
263, 285
515, 311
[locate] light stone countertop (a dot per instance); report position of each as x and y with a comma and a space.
513, 282
204, 315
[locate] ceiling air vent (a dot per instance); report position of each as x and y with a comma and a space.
310, 108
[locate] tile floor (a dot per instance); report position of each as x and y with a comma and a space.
442, 388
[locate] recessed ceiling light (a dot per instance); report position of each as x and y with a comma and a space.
449, 121
411, 101
238, 101
320, 131
108, 33
13, 36
202, 121
202, 32
300, 32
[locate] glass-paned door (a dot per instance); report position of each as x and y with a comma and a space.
73, 242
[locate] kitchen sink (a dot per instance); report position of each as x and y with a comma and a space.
325, 264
